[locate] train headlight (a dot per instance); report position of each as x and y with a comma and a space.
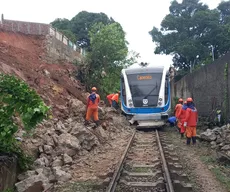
159, 103
130, 104
160, 99
130, 101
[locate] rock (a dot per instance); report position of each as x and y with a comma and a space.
86, 139
208, 135
40, 149
221, 144
57, 163
48, 124
48, 140
61, 175
48, 149
226, 148
213, 145
41, 162
77, 107
35, 183
227, 138
26, 175
67, 159
219, 139
69, 141
55, 139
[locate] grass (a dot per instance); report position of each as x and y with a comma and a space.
221, 172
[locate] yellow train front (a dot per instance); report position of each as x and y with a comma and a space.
145, 95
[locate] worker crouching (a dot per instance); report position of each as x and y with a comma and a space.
115, 100
109, 98
92, 107
190, 122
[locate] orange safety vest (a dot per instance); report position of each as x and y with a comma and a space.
177, 109
115, 97
191, 117
90, 104
110, 96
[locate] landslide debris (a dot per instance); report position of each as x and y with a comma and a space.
64, 149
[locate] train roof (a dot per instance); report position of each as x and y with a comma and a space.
144, 67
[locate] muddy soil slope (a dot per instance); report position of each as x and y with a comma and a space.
65, 150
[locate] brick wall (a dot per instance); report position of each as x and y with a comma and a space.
207, 86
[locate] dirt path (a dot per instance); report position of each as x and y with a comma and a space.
198, 172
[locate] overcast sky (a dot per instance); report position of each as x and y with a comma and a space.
137, 17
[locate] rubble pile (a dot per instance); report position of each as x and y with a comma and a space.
64, 149
219, 139
58, 146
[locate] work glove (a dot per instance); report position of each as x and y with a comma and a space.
185, 124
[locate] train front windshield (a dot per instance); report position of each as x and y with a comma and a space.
145, 89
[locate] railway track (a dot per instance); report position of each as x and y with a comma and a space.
149, 163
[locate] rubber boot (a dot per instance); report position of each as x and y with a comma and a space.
188, 141
193, 140
97, 124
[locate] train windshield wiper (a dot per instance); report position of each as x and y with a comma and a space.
156, 86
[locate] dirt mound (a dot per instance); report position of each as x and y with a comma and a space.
64, 149
22, 55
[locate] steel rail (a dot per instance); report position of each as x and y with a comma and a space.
113, 182
165, 167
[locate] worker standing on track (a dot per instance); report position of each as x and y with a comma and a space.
115, 100
92, 107
190, 122
181, 116
109, 98
176, 112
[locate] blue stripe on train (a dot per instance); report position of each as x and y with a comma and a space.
147, 110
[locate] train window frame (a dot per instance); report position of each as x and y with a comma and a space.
123, 89
166, 89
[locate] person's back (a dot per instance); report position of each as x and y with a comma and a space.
93, 100
115, 97
109, 98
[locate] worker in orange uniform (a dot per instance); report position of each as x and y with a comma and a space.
190, 122
181, 116
176, 112
92, 107
109, 98
115, 100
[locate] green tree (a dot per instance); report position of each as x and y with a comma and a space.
190, 32
81, 25
109, 54
62, 24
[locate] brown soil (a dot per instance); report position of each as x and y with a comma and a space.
100, 163
198, 172
22, 55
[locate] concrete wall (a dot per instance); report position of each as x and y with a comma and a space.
59, 47
58, 51
35, 29
207, 86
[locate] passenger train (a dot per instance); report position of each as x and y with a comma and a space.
145, 94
